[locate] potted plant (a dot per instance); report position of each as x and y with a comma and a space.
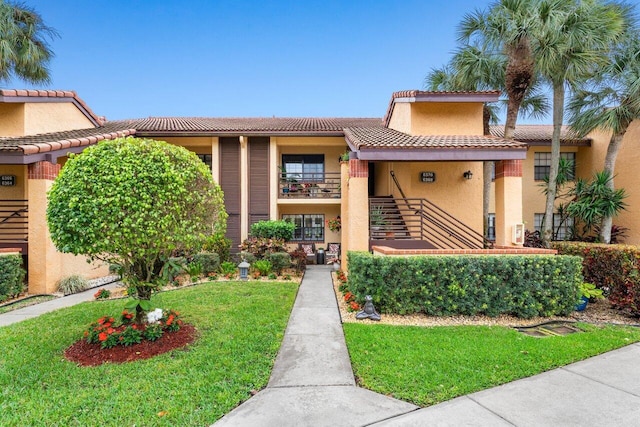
587, 291
335, 224
375, 217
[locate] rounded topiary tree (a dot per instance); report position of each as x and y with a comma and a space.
133, 202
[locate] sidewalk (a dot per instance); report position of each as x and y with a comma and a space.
21, 314
312, 384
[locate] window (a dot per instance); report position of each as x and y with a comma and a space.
304, 167
560, 231
542, 165
491, 227
206, 159
308, 227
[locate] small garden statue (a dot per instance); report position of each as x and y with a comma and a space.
369, 311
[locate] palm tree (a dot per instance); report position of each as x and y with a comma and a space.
504, 29
472, 68
24, 50
570, 42
610, 101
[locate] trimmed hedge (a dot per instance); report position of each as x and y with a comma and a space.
613, 268
273, 229
521, 285
11, 276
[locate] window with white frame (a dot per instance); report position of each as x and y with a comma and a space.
561, 229
542, 165
491, 227
309, 227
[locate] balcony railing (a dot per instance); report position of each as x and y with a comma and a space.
14, 221
310, 185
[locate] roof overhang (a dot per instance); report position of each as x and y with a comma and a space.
440, 154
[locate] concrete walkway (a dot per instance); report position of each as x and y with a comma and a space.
32, 311
312, 384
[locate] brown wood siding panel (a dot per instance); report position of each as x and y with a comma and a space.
230, 183
258, 179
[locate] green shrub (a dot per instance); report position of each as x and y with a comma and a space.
273, 230
72, 284
280, 261
228, 268
263, 267
261, 247
219, 245
11, 276
613, 268
246, 256
210, 261
524, 286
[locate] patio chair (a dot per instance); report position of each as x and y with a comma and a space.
333, 252
310, 250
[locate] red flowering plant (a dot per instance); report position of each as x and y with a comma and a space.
352, 304
334, 224
102, 294
108, 334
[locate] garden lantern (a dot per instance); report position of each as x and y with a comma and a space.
244, 270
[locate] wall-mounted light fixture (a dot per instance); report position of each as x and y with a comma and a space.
467, 175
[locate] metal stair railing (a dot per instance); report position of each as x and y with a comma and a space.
14, 221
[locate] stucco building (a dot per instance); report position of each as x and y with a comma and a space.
413, 179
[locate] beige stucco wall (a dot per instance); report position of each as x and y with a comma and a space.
401, 117
46, 117
446, 118
46, 265
437, 118
19, 191
11, 119
626, 174
533, 198
458, 196
331, 147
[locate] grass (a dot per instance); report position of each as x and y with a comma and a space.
241, 325
26, 303
426, 366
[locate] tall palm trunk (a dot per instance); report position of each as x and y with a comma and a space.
609, 166
518, 78
486, 175
558, 113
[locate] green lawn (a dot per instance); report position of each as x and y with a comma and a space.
241, 325
426, 366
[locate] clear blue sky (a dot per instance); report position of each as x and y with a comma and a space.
139, 58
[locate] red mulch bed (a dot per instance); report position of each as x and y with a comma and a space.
85, 354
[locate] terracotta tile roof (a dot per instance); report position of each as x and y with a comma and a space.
17, 95
41, 143
377, 137
248, 126
439, 96
541, 134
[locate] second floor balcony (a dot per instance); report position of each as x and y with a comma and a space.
315, 185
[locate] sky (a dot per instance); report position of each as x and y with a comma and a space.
226, 58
